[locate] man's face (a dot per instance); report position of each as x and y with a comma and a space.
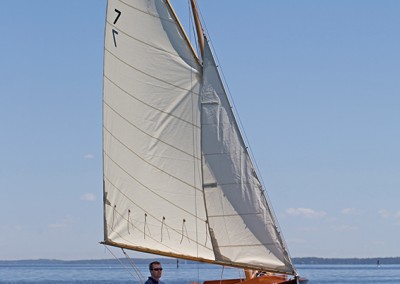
156, 271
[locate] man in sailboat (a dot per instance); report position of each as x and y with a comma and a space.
155, 272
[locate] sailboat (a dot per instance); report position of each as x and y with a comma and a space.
178, 178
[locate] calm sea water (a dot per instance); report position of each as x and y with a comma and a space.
186, 273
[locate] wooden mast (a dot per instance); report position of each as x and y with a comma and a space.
182, 29
199, 29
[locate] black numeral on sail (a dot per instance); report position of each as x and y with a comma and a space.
114, 32
118, 14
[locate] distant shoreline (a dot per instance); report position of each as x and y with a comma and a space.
296, 261
372, 260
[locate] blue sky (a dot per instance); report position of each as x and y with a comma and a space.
316, 85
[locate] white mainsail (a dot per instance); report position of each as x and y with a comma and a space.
178, 180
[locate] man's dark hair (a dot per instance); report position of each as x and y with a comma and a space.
151, 264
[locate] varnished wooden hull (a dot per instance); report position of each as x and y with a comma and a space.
267, 279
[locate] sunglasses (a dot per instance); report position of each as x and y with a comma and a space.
157, 269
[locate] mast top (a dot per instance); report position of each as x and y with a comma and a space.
199, 29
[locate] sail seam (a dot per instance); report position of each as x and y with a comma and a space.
135, 98
151, 76
162, 141
176, 178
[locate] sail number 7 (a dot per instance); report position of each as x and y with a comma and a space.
114, 32
118, 14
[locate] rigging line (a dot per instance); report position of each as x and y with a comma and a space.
134, 266
222, 273
122, 264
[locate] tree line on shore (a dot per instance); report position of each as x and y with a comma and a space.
296, 261
349, 261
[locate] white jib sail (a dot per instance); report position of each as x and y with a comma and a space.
157, 100
241, 225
